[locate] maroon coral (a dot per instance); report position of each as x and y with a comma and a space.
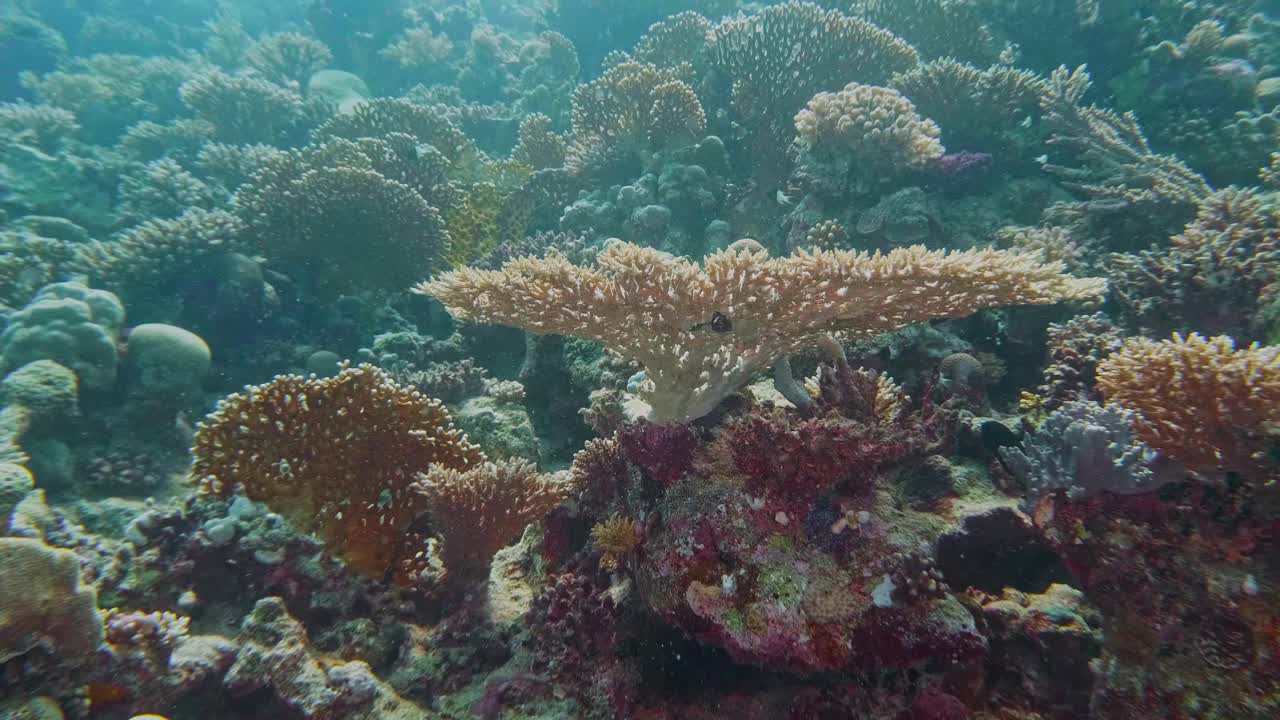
665, 452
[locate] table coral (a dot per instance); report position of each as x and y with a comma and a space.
663, 310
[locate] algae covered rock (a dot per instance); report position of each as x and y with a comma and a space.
70, 324
42, 603
503, 429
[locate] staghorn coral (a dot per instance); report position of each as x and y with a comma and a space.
1202, 402
1218, 275
975, 108
1118, 168
874, 130
702, 332
44, 126
358, 205
158, 253
337, 457
1085, 449
780, 57
288, 57
632, 109
247, 109
483, 508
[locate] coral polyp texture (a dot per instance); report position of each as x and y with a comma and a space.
702, 332
336, 456
1201, 401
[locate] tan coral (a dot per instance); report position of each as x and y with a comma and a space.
1202, 402
336, 457
483, 509
703, 332
876, 126
632, 108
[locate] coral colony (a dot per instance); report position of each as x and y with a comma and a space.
669, 360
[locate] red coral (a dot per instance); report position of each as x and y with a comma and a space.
665, 452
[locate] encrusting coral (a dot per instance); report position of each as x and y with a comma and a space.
1202, 402
337, 457
703, 332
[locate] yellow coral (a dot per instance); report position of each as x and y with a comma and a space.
1202, 402
703, 332
614, 538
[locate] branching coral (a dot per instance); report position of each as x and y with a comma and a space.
45, 126
157, 253
358, 206
337, 457
483, 508
247, 109
288, 57
1217, 277
538, 146
972, 106
29, 261
1085, 449
1204, 403
937, 28
779, 57
162, 189
1119, 168
875, 129
702, 332
381, 117
1075, 349
633, 108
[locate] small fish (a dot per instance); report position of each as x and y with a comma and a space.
784, 199
1026, 122
1043, 159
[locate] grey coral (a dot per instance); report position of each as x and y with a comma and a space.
1085, 449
